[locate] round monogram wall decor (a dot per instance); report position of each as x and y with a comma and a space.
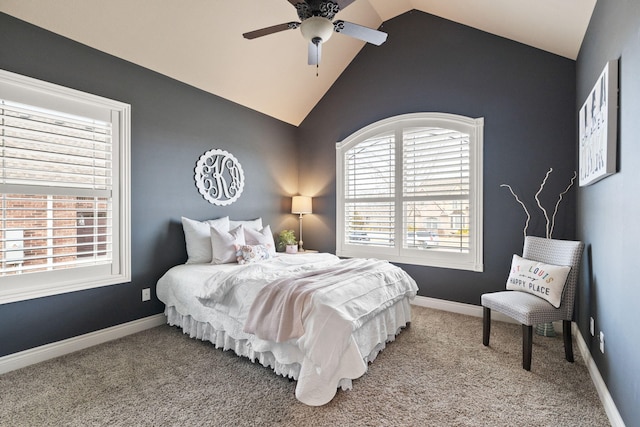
219, 177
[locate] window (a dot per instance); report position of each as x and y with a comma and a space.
64, 189
409, 190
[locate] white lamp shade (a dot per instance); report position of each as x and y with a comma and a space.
316, 26
301, 205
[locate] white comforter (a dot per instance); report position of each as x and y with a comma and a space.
329, 351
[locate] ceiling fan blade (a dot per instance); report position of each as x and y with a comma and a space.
270, 30
359, 32
315, 53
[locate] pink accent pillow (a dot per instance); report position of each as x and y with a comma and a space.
225, 244
262, 237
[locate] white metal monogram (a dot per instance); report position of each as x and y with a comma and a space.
219, 177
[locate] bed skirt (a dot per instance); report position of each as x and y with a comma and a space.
371, 339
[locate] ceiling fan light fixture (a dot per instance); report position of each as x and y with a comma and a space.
315, 28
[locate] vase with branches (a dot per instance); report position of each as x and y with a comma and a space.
550, 222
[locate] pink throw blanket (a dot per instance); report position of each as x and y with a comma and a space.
278, 312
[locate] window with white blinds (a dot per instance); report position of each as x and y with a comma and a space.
63, 189
409, 190
370, 191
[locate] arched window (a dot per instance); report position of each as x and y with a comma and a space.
409, 189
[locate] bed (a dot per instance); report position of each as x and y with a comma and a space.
311, 317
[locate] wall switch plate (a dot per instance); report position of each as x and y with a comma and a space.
602, 342
146, 294
592, 327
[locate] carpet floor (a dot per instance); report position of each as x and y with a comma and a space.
436, 373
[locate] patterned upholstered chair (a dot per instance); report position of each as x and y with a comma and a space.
531, 310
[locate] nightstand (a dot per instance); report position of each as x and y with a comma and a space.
306, 251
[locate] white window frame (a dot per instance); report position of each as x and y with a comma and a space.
473, 260
26, 90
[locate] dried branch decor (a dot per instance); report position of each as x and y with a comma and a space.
550, 224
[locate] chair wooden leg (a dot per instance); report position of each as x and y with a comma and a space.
486, 325
568, 345
527, 336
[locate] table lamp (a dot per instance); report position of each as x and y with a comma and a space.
301, 205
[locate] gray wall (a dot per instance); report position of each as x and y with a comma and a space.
608, 218
526, 96
172, 125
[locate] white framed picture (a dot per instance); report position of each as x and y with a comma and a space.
219, 177
598, 128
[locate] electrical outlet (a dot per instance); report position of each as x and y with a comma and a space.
592, 327
602, 342
146, 294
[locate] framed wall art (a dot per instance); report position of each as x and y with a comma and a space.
598, 128
219, 177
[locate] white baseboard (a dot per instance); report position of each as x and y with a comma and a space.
475, 310
607, 401
49, 351
458, 307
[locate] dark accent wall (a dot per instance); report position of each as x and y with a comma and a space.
172, 125
608, 219
429, 64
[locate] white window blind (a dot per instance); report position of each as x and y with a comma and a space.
436, 186
63, 189
371, 168
43, 148
409, 190
48, 148
370, 191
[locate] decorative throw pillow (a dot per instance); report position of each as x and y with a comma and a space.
543, 280
225, 244
255, 224
220, 223
252, 253
197, 236
262, 237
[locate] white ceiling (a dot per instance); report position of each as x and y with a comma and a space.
200, 42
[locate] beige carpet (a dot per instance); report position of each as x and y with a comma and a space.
436, 373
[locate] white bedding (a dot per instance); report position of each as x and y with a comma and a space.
212, 302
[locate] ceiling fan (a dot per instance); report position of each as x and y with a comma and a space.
317, 26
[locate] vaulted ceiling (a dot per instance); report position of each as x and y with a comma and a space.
200, 42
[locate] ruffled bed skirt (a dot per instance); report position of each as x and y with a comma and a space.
371, 339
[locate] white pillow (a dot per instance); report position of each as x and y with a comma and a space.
197, 236
262, 237
225, 244
220, 223
543, 280
255, 224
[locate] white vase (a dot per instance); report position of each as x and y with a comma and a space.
291, 249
